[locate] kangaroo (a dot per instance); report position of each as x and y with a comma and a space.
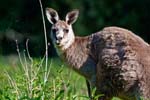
114, 60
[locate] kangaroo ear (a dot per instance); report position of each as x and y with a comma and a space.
72, 16
52, 15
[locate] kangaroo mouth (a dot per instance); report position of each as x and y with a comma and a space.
57, 42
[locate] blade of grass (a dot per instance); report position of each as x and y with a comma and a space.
18, 51
46, 46
13, 84
30, 73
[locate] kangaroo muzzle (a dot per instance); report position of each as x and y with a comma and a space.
58, 40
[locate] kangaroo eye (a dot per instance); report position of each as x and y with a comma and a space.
54, 30
66, 30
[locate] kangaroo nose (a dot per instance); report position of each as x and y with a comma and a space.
59, 38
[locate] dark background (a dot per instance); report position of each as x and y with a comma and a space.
21, 20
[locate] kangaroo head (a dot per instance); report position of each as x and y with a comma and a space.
62, 34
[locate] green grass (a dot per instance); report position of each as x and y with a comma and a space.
62, 83
23, 79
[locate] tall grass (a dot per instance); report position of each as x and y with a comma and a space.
27, 84
46, 49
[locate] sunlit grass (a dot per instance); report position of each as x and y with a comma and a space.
62, 83
18, 84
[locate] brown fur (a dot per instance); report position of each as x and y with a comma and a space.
62, 24
114, 60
